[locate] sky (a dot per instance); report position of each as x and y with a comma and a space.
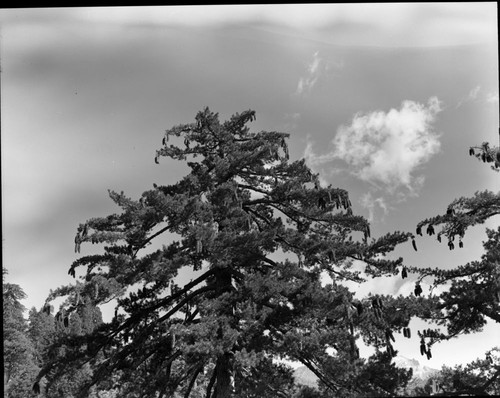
381, 99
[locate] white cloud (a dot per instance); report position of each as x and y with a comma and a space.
388, 147
474, 92
385, 149
377, 24
372, 204
382, 285
472, 96
492, 97
477, 94
364, 24
408, 287
313, 72
313, 159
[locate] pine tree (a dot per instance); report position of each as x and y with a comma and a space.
18, 352
57, 335
471, 296
257, 231
478, 378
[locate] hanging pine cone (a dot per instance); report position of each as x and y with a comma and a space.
359, 308
390, 350
389, 335
85, 231
417, 290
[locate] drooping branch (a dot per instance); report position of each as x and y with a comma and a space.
183, 302
149, 239
211, 382
193, 380
313, 368
491, 380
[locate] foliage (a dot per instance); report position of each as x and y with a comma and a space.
257, 232
461, 214
471, 294
472, 291
18, 351
480, 377
487, 154
53, 336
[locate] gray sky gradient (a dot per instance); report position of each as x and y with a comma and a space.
87, 94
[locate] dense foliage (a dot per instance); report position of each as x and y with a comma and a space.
471, 294
19, 366
220, 276
478, 378
258, 233
54, 336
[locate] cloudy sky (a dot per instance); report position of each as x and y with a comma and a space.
381, 99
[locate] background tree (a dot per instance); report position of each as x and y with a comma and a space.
19, 367
257, 232
55, 335
478, 378
471, 294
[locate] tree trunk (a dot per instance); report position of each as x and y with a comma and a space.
224, 385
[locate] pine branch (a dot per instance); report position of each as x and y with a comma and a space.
211, 382
193, 380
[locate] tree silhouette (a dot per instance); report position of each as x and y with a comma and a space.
18, 351
478, 378
471, 295
257, 232
487, 153
53, 336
